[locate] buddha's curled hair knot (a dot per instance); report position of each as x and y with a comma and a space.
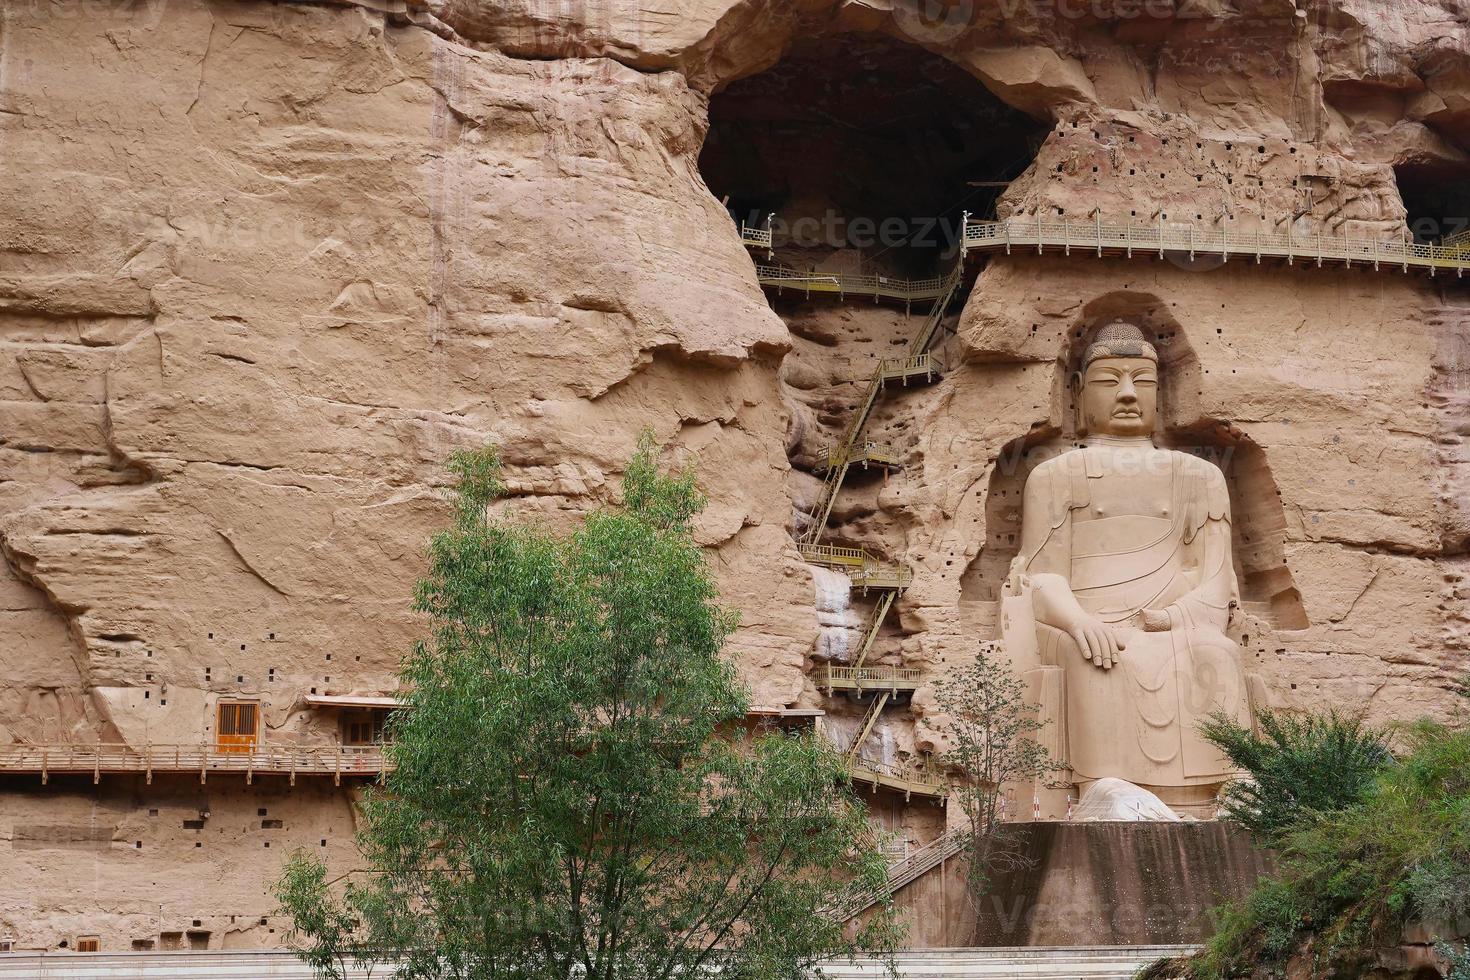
1119, 339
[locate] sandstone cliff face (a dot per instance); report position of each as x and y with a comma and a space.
264, 265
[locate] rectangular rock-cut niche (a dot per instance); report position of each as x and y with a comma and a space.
61, 837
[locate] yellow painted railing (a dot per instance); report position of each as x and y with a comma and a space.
897, 678
826, 554
862, 453
851, 284
903, 368
908, 778
881, 575
1188, 239
865, 571
98, 758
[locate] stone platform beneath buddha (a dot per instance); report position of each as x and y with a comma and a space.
1119, 884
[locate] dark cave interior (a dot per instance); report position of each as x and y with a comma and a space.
859, 141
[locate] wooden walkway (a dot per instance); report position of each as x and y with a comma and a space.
845, 284
892, 679
910, 780
94, 760
865, 571
1190, 241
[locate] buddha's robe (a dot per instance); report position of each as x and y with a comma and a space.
1132, 529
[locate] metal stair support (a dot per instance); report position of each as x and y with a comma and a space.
846, 450
885, 603
900, 873
920, 344
866, 728
919, 364
831, 483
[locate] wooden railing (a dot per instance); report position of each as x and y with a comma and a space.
98, 758
903, 368
901, 872
865, 571
873, 678
862, 453
881, 575
908, 778
1188, 239
826, 554
753, 237
851, 284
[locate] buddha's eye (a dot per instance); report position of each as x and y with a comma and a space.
1147, 381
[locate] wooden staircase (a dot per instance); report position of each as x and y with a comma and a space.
900, 873
875, 622
866, 728
919, 367
852, 449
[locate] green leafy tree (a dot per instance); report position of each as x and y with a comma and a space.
991, 737
1351, 878
1299, 766
569, 795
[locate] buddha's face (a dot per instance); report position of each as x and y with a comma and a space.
1120, 396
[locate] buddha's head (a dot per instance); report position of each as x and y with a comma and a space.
1120, 383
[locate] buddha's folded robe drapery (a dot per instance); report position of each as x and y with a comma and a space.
1131, 528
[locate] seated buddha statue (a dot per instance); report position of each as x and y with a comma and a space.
1119, 599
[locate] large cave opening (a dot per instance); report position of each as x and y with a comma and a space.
1437, 198
863, 153
866, 146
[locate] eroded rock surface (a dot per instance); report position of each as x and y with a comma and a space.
264, 265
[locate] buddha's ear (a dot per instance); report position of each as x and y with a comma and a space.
1080, 414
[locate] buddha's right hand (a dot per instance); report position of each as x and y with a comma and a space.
1097, 641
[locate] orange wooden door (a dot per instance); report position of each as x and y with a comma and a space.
238, 727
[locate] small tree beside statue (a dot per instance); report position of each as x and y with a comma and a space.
570, 792
991, 747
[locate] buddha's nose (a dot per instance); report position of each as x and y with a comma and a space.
1127, 393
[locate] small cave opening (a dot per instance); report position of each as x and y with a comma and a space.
1437, 198
867, 151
